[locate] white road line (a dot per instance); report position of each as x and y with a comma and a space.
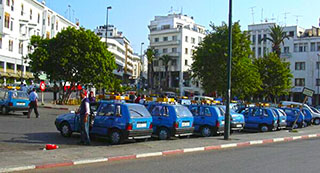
79, 162
149, 154
278, 139
256, 142
19, 168
229, 145
193, 149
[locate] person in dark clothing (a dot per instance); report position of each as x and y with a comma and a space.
92, 99
33, 98
137, 99
55, 91
84, 111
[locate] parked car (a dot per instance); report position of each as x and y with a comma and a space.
260, 118
115, 120
11, 100
237, 121
171, 120
292, 114
208, 120
282, 118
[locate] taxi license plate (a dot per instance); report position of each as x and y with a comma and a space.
184, 124
141, 125
21, 104
239, 125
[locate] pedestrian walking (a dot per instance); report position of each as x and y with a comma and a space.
92, 98
84, 111
55, 92
33, 98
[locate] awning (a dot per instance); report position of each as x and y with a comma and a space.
4, 74
15, 75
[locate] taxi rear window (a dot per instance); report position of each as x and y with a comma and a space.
182, 111
19, 95
138, 111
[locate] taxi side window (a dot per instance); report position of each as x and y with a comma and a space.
287, 111
265, 113
207, 112
254, 112
156, 111
195, 111
107, 110
2, 94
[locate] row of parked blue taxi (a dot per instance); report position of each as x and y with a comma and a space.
119, 121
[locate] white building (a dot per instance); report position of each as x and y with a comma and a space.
121, 48
19, 20
301, 50
178, 36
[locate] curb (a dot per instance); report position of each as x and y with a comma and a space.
157, 154
59, 108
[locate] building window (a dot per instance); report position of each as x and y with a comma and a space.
185, 62
264, 38
299, 82
165, 50
30, 14
11, 25
318, 65
48, 20
174, 38
165, 38
186, 50
22, 8
259, 51
174, 50
193, 40
300, 66
155, 63
286, 49
253, 39
0, 43
8, 2
291, 33
259, 39
10, 45
21, 47
264, 50
318, 46
199, 39
156, 51
165, 27
296, 48
318, 82
38, 18
186, 38
57, 25
313, 47
254, 51
173, 62
156, 39
6, 20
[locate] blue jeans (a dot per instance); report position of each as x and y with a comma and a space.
84, 130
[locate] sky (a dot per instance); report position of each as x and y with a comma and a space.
132, 17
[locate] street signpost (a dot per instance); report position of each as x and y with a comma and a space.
42, 88
308, 93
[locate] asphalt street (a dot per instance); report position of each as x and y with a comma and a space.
292, 157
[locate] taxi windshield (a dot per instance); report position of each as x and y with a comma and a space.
19, 95
138, 111
182, 111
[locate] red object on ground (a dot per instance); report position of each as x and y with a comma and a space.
51, 147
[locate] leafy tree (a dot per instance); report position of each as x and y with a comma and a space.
165, 61
210, 62
275, 75
74, 55
150, 56
277, 36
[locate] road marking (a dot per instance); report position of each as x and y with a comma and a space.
256, 142
149, 154
278, 139
79, 162
228, 145
193, 149
20, 168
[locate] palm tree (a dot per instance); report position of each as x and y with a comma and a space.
150, 56
165, 61
277, 37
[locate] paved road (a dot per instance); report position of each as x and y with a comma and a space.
292, 157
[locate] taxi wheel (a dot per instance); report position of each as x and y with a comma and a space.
163, 134
264, 128
206, 131
4, 110
116, 137
65, 129
316, 121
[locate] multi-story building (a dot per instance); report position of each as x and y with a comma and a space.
19, 20
178, 36
121, 48
302, 50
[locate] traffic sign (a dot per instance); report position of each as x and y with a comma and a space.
42, 86
307, 92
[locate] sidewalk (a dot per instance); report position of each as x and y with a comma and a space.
26, 160
61, 107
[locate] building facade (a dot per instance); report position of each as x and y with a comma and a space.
178, 36
19, 20
302, 50
121, 48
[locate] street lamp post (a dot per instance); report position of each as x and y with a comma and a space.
318, 67
142, 63
108, 8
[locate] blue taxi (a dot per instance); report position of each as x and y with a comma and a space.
171, 120
116, 120
237, 121
11, 100
208, 120
292, 114
282, 118
260, 118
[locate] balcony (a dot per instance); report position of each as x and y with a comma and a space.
165, 43
162, 31
286, 55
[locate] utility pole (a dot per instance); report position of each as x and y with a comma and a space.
108, 8
227, 116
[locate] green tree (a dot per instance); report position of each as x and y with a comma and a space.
150, 56
277, 37
74, 55
165, 61
210, 62
275, 75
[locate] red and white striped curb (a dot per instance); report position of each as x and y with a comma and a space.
155, 154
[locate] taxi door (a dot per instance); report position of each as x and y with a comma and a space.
206, 116
103, 119
253, 118
195, 110
156, 117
